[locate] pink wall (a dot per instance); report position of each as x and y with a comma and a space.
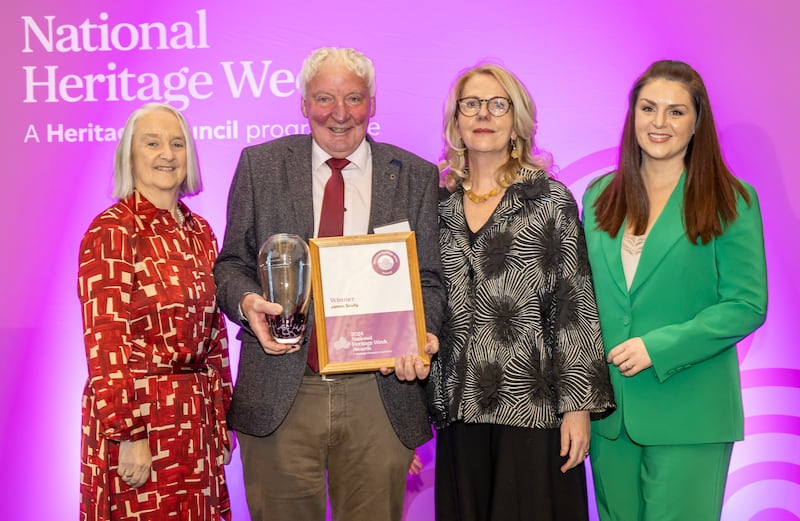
577, 58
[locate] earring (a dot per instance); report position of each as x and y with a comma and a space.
514, 151
461, 149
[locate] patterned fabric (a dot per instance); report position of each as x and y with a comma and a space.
157, 354
521, 344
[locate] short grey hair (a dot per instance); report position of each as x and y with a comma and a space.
123, 170
354, 60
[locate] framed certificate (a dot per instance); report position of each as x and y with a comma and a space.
367, 301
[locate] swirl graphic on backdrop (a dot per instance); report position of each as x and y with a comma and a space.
764, 480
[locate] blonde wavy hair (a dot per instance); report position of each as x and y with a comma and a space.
455, 157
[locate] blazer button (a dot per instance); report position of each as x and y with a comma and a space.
626, 320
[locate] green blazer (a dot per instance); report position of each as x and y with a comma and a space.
690, 304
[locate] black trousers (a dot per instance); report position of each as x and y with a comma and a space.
487, 472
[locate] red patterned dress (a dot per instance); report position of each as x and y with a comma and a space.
157, 352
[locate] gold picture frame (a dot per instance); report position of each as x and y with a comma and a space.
367, 301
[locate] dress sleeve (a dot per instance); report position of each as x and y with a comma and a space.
218, 344
235, 270
105, 284
583, 379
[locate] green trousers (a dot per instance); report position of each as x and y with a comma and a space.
658, 482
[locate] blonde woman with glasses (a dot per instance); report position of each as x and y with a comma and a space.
521, 363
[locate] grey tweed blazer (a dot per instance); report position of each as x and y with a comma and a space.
271, 193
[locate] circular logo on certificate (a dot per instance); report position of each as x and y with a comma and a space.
385, 262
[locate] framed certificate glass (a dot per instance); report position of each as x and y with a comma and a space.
367, 301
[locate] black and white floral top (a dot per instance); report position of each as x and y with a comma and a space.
521, 343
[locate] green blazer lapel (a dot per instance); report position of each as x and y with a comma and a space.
667, 230
611, 247
612, 256
298, 179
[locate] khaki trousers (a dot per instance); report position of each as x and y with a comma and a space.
338, 427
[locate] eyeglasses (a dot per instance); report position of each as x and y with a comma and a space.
496, 106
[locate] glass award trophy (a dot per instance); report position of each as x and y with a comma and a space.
285, 272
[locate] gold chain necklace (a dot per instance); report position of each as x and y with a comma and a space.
477, 199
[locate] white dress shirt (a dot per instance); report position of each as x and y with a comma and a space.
357, 187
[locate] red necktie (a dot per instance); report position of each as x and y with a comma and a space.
331, 219
331, 224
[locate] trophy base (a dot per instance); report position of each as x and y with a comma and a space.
294, 340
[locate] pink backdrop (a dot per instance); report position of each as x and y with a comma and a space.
74, 71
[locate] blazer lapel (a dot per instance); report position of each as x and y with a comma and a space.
298, 180
612, 255
385, 175
666, 231
611, 247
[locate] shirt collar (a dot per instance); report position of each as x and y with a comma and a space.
359, 157
148, 212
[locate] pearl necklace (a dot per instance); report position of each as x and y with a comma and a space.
477, 199
179, 217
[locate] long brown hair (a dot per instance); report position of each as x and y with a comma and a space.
710, 190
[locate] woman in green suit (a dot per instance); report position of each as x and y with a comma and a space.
677, 254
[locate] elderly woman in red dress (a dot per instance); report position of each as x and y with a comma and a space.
154, 436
